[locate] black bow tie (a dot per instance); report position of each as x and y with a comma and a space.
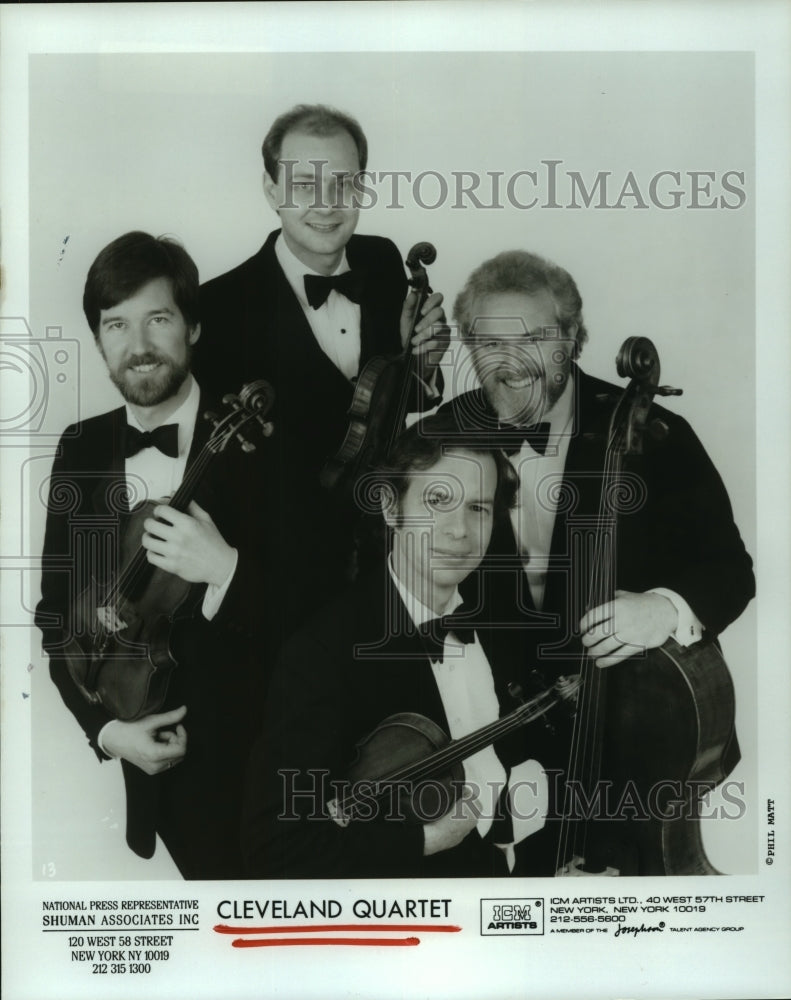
166, 438
319, 286
434, 631
536, 436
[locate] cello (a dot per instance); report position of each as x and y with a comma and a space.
117, 647
650, 734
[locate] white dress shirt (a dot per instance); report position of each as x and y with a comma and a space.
466, 689
335, 324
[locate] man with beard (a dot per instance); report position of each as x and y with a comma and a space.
182, 766
679, 567
682, 569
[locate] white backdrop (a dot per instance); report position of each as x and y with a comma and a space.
157, 125
170, 143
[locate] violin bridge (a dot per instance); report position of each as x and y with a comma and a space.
109, 619
337, 815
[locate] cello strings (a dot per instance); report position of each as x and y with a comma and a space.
585, 750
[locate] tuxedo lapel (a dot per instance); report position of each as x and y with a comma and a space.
106, 458
393, 648
379, 321
575, 521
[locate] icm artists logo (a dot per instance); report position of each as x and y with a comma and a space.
512, 916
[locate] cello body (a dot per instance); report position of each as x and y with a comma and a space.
669, 737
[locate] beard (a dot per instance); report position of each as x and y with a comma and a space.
522, 407
521, 389
155, 387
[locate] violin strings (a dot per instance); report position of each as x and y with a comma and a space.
221, 436
462, 748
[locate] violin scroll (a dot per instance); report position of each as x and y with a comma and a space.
258, 397
420, 255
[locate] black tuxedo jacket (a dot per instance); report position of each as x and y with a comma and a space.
195, 805
356, 663
675, 529
254, 327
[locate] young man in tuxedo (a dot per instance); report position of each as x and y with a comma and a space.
182, 765
389, 647
307, 313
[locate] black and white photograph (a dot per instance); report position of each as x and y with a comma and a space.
395, 466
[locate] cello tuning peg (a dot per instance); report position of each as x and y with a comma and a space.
229, 399
659, 430
668, 390
516, 692
211, 417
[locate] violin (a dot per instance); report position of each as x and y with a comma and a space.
411, 757
118, 652
650, 733
380, 403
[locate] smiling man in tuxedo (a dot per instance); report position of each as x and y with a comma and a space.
182, 765
680, 565
673, 575
400, 642
307, 312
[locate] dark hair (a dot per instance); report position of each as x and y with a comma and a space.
422, 445
313, 119
520, 271
130, 262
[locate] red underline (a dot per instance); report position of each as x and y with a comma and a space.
317, 928
271, 942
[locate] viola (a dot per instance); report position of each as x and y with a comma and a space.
649, 734
411, 757
380, 403
118, 650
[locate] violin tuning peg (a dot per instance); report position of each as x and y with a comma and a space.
229, 399
516, 692
246, 446
211, 417
668, 390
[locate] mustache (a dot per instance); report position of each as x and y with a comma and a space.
148, 358
501, 368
